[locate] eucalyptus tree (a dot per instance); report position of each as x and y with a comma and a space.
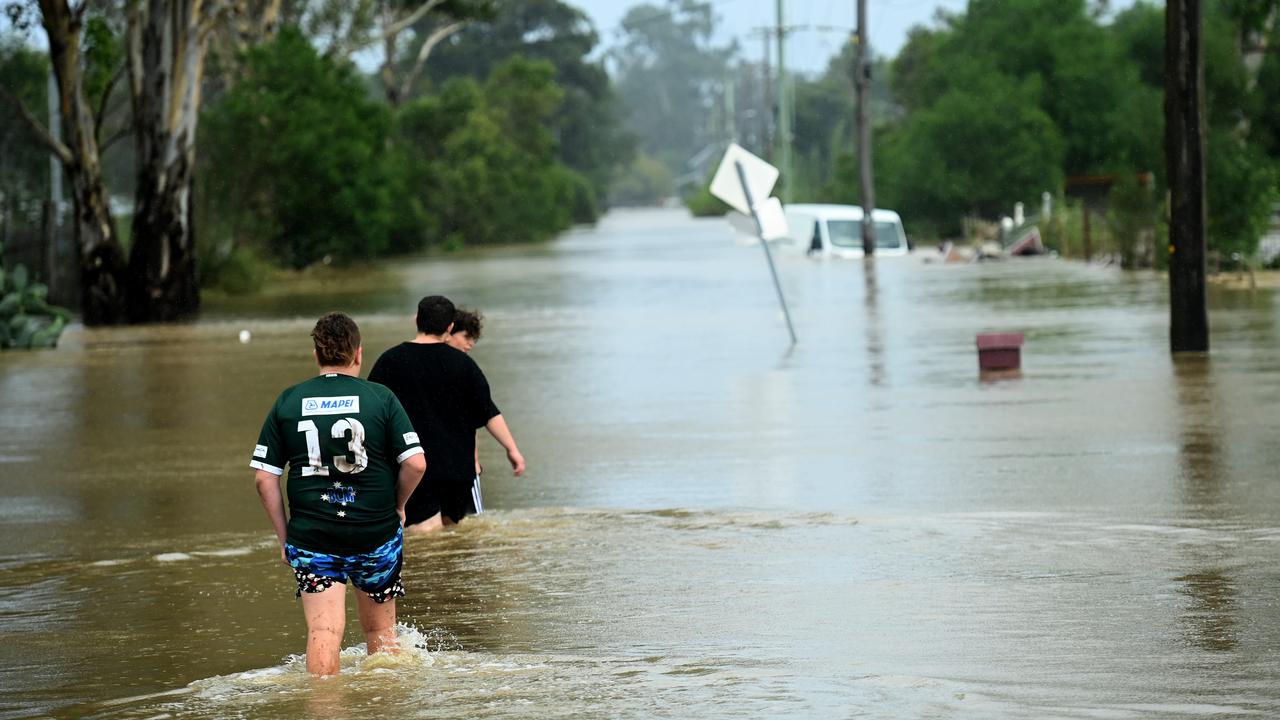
401, 28
668, 71
76, 64
160, 47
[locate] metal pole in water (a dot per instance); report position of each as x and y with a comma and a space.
862, 81
751, 203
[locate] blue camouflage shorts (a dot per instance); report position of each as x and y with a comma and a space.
376, 573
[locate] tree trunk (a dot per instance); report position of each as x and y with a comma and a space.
390, 86
167, 67
101, 257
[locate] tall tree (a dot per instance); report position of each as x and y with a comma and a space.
302, 126
167, 43
102, 263
401, 28
667, 70
587, 122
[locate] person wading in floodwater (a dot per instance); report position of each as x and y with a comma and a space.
353, 460
447, 398
467, 326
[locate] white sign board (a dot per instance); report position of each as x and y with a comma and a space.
773, 222
760, 176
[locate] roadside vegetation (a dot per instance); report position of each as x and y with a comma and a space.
467, 132
985, 108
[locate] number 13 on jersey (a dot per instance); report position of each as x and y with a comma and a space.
358, 458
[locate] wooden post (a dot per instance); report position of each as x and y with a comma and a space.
785, 109
1088, 239
1184, 160
862, 80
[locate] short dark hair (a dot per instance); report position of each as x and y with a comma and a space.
435, 312
336, 337
469, 322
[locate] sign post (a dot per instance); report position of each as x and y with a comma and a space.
755, 178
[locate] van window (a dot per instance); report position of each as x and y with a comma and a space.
848, 234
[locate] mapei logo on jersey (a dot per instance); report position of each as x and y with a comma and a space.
411, 438
344, 405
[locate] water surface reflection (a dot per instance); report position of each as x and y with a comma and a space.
853, 527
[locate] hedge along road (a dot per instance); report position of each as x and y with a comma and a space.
857, 526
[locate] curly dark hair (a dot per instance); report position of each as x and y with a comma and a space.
469, 322
337, 338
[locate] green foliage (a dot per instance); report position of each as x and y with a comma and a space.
236, 270
1131, 222
27, 320
976, 150
1008, 98
704, 204
24, 163
1242, 183
103, 51
482, 161
644, 182
1063, 231
587, 122
296, 158
1264, 102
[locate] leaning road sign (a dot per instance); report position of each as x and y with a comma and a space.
773, 221
760, 177
744, 182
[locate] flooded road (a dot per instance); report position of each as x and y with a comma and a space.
856, 527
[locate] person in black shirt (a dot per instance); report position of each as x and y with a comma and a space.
467, 326
447, 399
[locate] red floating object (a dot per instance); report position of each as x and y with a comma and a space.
1000, 351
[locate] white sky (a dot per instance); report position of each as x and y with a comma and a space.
807, 50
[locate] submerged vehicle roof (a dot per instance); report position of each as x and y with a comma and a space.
842, 212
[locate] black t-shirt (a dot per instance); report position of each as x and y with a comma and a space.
447, 399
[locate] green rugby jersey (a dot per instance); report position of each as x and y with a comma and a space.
343, 439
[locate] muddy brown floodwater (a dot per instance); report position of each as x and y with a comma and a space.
712, 523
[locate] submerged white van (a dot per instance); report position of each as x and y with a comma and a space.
836, 231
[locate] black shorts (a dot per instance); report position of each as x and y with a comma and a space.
454, 501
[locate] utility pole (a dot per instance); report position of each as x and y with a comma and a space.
784, 108
730, 107
766, 148
862, 81
1184, 161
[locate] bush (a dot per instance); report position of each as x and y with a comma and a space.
645, 182
1131, 222
235, 270
482, 163
704, 204
297, 158
27, 320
